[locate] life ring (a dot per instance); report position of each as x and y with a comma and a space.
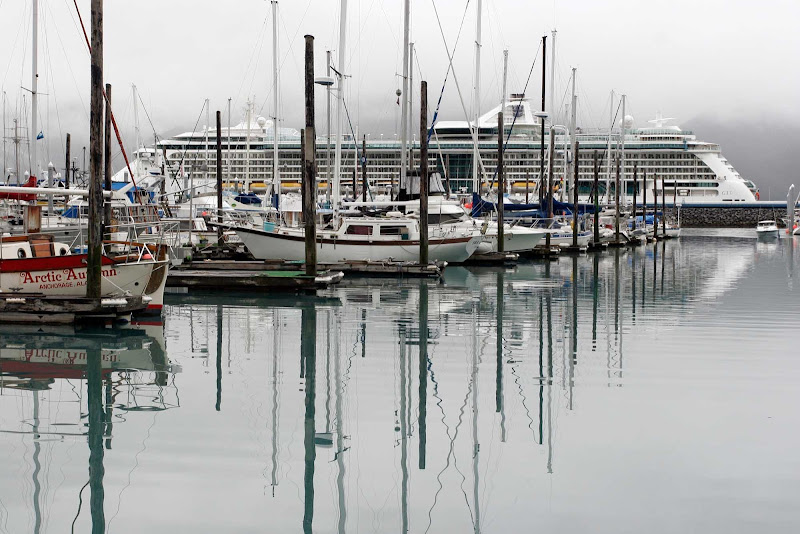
758, 196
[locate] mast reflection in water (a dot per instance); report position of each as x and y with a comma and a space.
543, 395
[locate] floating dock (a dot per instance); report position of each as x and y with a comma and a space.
263, 280
370, 268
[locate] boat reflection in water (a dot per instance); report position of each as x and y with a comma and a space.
86, 381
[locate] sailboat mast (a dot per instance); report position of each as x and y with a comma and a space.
501, 127
404, 96
228, 148
411, 105
136, 131
608, 148
247, 149
337, 169
34, 84
207, 148
552, 107
328, 126
622, 155
276, 179
477, 98
572, 125
5, 164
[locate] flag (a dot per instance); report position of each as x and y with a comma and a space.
40, 135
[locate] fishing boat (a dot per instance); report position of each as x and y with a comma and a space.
36, 265
767, 229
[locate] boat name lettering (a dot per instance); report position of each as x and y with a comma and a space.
56, 279
68, 357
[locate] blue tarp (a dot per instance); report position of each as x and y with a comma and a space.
481, 206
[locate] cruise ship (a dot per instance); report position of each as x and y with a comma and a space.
674, 162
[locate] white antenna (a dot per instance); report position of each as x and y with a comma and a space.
660, 120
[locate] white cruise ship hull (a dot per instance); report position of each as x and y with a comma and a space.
289, 245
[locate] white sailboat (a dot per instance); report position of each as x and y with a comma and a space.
394, 238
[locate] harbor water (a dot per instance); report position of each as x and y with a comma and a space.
652, 389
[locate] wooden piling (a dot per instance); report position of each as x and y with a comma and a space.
423, 173
501, 186
363, 169
219, 178
95, 251
541, 140
596, 199
635, 187
309, 165
644, 199
550, 183
308, 357
616, 205
107, 163
663, 210
575, 199
67, 166
423, 373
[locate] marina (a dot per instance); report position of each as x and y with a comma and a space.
494, 304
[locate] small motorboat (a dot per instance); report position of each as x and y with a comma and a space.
767, 229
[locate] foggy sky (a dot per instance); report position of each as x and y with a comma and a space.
726, 61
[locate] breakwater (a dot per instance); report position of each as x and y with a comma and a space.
740, 215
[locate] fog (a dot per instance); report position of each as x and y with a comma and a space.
717, 66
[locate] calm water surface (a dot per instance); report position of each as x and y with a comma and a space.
647, 390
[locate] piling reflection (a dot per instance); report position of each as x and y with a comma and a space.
117, 367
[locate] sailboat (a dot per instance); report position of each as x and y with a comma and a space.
395, 237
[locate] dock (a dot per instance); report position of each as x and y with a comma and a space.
366, 268
262, 280
32, 308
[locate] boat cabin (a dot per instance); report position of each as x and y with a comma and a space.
31, 246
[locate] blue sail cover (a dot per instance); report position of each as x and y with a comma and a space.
481, 206
249, 199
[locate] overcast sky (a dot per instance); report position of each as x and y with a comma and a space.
722, 59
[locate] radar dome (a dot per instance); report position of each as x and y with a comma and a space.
261, 121
628, 121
